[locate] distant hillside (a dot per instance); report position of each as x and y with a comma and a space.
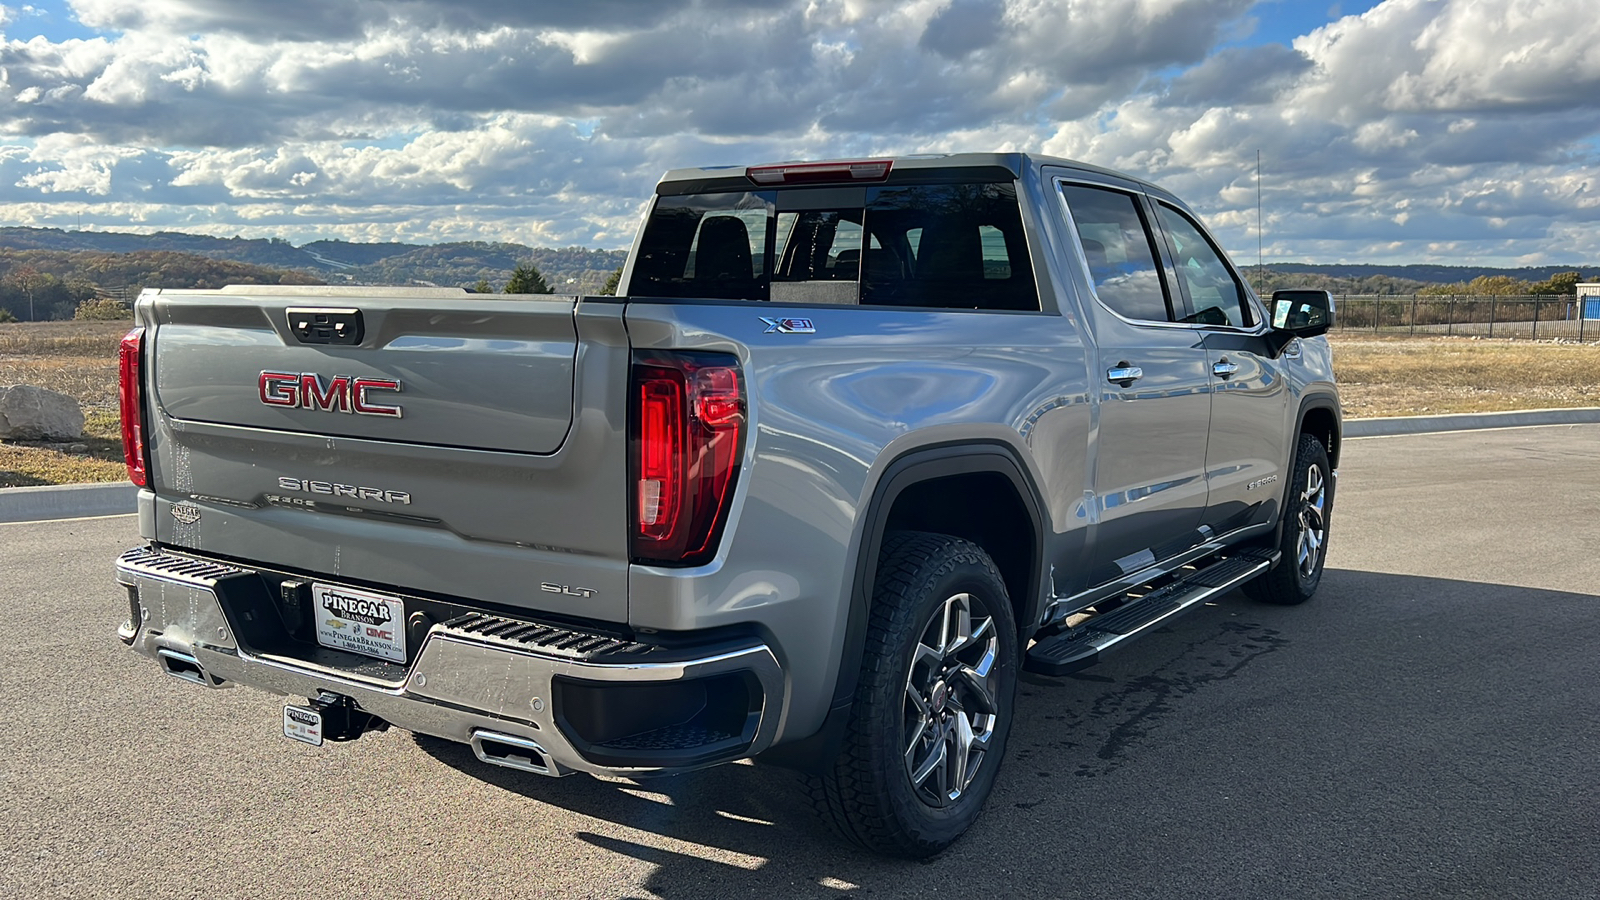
261, 252
1364, 279
579, 270
341, 254
574, 269
1428, 274
568, 270
1302, 276
49, 284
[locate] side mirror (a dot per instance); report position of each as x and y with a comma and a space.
1302, 313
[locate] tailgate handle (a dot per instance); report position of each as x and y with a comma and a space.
316, 325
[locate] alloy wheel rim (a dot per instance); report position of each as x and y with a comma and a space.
1313, 522
951, 704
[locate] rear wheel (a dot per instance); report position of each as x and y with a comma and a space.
935, 702
1304, 544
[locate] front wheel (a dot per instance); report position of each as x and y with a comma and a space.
935, 702
1304, 544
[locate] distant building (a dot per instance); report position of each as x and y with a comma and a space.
1589, 300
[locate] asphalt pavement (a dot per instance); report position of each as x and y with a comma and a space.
1426, 727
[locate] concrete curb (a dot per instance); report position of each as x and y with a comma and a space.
1398, 425
51, 501
29, 504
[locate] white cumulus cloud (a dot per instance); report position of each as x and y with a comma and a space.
1439, 130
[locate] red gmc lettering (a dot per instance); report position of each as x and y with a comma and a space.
333, 398
340, 393
279, 389
358, 396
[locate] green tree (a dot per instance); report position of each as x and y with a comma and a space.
1559, 283
1498, 285
6, 316
101, 309
612, 281
525, 279
1483, 286
29, 282
482, 287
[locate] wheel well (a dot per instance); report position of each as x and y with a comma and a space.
984, 508
1320, 423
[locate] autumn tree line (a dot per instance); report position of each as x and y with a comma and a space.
1558, 285
527, 279
1561, 283
41, 285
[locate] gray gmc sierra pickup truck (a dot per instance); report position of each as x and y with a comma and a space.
856, 443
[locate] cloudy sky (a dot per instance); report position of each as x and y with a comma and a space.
1453, 131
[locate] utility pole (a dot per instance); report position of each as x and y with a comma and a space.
1261, 271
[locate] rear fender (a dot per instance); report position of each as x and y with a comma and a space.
913, 468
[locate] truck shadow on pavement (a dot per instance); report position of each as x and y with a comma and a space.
1300, 678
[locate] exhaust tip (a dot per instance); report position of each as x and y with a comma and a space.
512, 752
186, 668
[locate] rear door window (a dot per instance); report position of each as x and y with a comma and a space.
1120, 251
955, 246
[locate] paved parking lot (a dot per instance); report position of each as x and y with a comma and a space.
1427, 727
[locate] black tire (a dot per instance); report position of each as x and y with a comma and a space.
1307, 509
914, 701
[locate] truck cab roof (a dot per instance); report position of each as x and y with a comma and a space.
909, 168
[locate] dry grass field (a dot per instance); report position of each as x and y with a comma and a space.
1379, 376
1402, 376
77, 358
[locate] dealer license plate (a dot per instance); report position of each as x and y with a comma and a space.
360, 621
303, 724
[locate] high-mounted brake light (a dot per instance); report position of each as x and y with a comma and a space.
130, 391
821, 172
687, 430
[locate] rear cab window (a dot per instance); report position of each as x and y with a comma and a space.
949, 246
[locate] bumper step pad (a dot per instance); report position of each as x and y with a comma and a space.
1080, 647
199, 572
544, 639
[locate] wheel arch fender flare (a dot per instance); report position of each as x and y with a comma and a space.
905, 470
1326, 405
1323, 405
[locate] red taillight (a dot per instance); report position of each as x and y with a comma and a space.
687, 434
821, 172
661, 457
130, 391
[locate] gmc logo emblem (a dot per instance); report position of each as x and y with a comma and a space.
341, 393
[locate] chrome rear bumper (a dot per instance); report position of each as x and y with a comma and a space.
494, 693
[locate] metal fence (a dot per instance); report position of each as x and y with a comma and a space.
1524, 318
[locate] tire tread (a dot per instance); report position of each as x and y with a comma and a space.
1281, 585
850, 797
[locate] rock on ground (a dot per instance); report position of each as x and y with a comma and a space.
29, 413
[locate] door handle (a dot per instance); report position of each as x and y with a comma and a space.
1223, 369
1122, 374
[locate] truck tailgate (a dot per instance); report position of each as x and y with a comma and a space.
466, 445
481, 373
